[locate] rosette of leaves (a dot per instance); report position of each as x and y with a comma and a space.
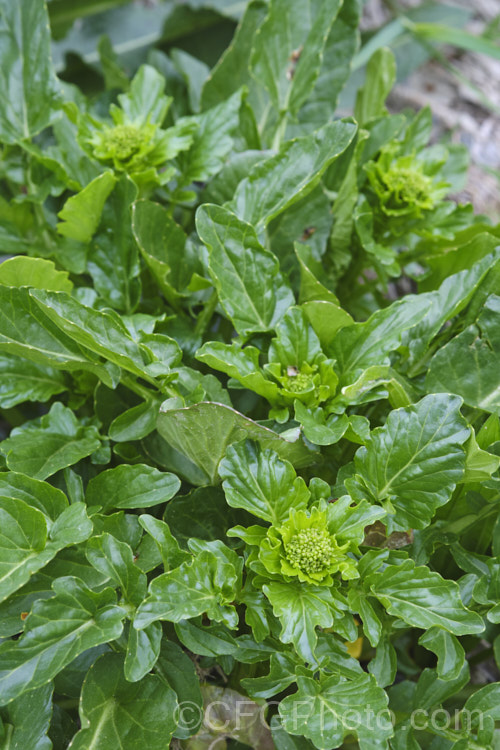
133, 139
297, 371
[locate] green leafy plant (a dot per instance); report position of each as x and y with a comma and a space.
249, 491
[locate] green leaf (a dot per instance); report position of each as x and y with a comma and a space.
36, 272
360, 345
310, 269
384, 664
113, 258
32, 734
380, 78
318, 428
115, 560
102, 333
327, 711
449, 652
41, 495
21, 380
288, 50
277, 183
202, 433
326, 319
117, 713
81, 213
469, 364
240, 364
176, 668
206, 584
458, 37
162, 243
413, 463
186, 522
29, 86
250, 286
423, 598
261, 483
171, 553
301, 608
131, 486
28, 542
135, 423
212, 140
57, 630
145, 101
233, 68
282, 673
341, 44
143, 649
479, 464
484, 703
453, 295
42, 447
28, 332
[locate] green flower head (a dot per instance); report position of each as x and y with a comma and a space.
404, 185
125, 145
305, 548
312, 384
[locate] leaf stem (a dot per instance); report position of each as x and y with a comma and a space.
207, 313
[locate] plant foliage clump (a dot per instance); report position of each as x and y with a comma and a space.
238, 467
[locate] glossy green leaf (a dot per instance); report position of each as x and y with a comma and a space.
423, 598
468, 365
452, 296
41, 495
484, 702
232, 69
27, 381
116, 712
240, 364
162, 243
250, 286
30, 89
448, 649
380, 77
81, 213
131, 486
202, 433
261, 483
277, 183
176, 668
135, 423
143, 649
212, 140
35, 272
300, 609
19, 733
171, 553
327, 711
115, 560
282, 673
55, 441
101, 333
113, 257
413, 463
27, 331
205, 584
339, 48
57, 630
288, 50
358, 346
